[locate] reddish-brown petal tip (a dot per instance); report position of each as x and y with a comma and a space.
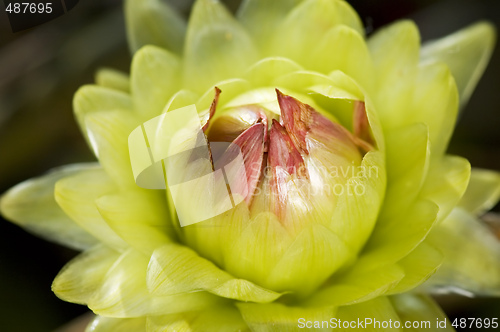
251, 145
296, 117
283, 160
361, 127
213, 107
282, 151
230, 124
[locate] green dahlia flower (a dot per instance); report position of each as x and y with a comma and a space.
354, 210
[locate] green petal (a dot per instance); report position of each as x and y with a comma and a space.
124, 293
91, 99
76, 195
214, 237
395, 54
419, 308
261, 16
265, 97
113, 79
83, 275
266, 70
418, 266
31, 205
466, 52
243, 258
358, 285
316, 250
181, 98
108, 135
307, 24
155, 76
377, 310
106, 324
435, 103
344, 49
355, 215
278, 317
472, 256
177, 269
408, 158
394, 237
300, 80
217, 47
154, 22
344, 87
229, 89
218, 319
483, 191
446, 183
139, 217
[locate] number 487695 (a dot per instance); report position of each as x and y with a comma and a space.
475, 323
29, 8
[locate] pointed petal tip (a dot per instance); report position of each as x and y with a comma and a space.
296, 117
282, 150
213, 108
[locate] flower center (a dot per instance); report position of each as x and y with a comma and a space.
289, 157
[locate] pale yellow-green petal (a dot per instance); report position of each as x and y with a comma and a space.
446, 183
302, 79
396, 236
307, 24
260, 17
82, 276
344, 49
337, 94
91, 99
113, 79
181, 98
483, 191
266, 70
317, 250
337, 99
472, 256
418, 266
177, 269
435, 103
343, 87
139, 217
466, 52
31, 205
370, 312
106, 324
355, 215
217, 46
108, 135
124, 293
408, 158
265, 97
420, 311
217, 319
395, 54
279, 317
155, 77
245, 259
358, 285
154, 22
230, 88
76, 195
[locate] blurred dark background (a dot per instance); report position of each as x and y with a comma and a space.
41, 68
